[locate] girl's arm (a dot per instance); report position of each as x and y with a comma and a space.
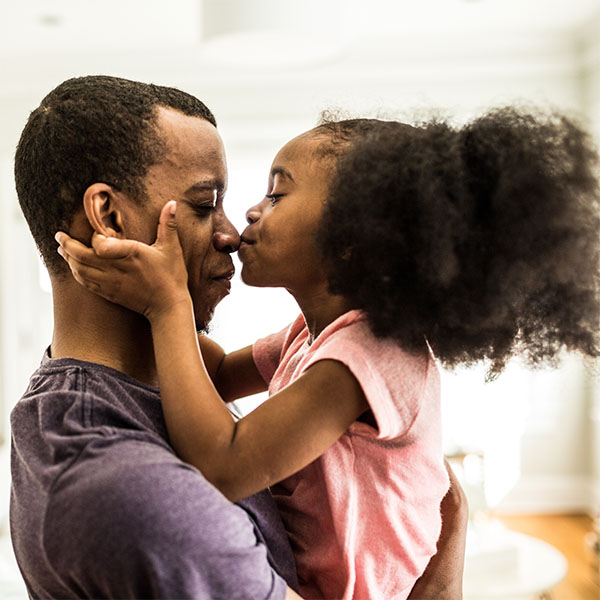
280, 437
284, 434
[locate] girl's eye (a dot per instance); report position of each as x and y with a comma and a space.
273, 198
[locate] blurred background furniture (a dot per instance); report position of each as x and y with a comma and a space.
505, 565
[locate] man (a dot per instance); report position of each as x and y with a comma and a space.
100, 504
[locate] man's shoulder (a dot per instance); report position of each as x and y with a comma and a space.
68, 401
112, 466
70, 374
97, 442
110, 505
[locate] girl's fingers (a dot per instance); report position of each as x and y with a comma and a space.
94, 279
104, 254
110, 247
81, 253
84, 274
91, 285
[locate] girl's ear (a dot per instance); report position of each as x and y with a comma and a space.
103, 210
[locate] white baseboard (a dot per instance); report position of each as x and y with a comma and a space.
553, 494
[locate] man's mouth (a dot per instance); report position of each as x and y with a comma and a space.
224, 279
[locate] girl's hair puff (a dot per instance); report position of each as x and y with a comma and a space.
483, 240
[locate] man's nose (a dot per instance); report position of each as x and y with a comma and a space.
226, 237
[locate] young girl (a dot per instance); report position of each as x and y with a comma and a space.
477, 243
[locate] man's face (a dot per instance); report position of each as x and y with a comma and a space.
194, 173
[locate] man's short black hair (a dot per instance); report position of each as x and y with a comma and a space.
87, 130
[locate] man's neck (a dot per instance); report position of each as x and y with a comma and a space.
87, 327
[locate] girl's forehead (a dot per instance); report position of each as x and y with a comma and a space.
300, 152
300, 144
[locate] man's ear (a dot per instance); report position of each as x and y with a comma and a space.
103, 210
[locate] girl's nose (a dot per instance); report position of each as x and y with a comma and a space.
253, 214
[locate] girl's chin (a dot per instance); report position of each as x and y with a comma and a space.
255, 279
248, 276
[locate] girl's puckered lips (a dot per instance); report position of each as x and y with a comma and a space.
244, 245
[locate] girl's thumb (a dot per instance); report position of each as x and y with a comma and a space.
167, 225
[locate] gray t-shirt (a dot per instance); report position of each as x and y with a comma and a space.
101, 507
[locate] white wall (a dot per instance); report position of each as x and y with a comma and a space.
539, 427
590, 53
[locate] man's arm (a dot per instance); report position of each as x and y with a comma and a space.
234, 375
443, 577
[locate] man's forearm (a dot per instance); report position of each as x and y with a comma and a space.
443, 577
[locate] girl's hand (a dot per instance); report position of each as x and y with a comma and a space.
146, 279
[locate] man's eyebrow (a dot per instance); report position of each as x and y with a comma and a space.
205, 186
276, 170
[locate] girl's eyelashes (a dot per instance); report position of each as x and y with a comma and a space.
273, 198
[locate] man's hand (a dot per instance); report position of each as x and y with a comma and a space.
443, 577
146, 279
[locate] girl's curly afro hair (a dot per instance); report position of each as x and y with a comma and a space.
483, 240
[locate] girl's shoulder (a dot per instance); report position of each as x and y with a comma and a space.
396, 383
351, 332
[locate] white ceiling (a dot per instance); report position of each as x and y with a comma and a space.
30, 26
278, 58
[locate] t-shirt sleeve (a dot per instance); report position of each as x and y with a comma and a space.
159, 531
266, 353
391, 379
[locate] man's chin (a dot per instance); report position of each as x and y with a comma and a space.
203, 328
203, 320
